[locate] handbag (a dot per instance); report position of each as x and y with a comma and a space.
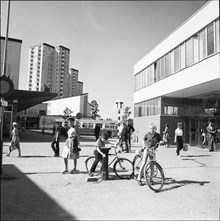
185, 147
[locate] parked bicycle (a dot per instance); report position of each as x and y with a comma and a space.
122, 167
152, 172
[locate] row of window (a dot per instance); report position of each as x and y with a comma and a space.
148, 108
196, 48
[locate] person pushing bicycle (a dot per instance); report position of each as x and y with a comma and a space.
151, 140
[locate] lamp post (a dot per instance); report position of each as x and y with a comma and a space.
119, 105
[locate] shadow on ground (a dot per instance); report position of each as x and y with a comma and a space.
32, 202
170, 183
33, 136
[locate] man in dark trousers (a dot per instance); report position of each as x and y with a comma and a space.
97, 131
56, 139
130, 131
124, 137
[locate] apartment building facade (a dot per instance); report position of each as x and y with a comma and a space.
48, 70
13, 59
179, 79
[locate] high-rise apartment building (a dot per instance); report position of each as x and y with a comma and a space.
73, 81
79, 87
49, 71
41, 67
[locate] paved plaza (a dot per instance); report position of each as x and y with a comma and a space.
34, 188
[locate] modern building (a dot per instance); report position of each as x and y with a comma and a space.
79, 87
179, 79
13, 59
77, 104
48, 70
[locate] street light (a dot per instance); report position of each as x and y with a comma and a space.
119, 106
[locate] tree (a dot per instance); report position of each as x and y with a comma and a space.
67, 113
94, 109
127, 113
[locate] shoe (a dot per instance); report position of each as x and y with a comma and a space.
90, 174
211, 150
139, 182
8, 155
65, 172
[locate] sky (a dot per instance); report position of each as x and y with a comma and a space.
106, 39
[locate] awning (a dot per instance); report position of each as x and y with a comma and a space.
26, 99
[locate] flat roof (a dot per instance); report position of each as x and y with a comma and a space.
12, 39
26, 99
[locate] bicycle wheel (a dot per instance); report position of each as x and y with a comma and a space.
136, 165
123, 168
89, 161
154, 175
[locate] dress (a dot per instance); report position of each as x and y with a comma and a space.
15, 140
70, 149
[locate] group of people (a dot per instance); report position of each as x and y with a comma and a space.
71, 148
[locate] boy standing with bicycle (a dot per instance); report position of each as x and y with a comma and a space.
151, 139
100, 143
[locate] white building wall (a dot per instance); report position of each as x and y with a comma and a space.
199, 73
76, 104
196, 22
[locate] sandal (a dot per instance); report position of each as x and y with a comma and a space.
65, 172
139, 182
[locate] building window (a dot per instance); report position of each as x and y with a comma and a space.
167, 64
189, 52
202, 45
182, 56
210, 39
162, 67
176, 59
172, 62
196, 48
217, 39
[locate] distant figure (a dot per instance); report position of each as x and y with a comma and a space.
211, 135
203, 131
178, 138
56, 140
15, 140
97, 131
166, 135
124, 137
130, 131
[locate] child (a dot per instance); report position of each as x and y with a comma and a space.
100, 143
15, 140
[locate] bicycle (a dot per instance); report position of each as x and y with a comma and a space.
153, 172
122, 167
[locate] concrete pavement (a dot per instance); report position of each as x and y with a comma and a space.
33, 186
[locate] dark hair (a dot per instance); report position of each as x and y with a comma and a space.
179, 124
105, 136
166, 124
71, 119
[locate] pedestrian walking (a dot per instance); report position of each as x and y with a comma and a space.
124, 137
15, 140
166, 135
150, 140
179, 138
204, 136
97, 131
56, 139
100, 143
71, 148
130, 131
211, 130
